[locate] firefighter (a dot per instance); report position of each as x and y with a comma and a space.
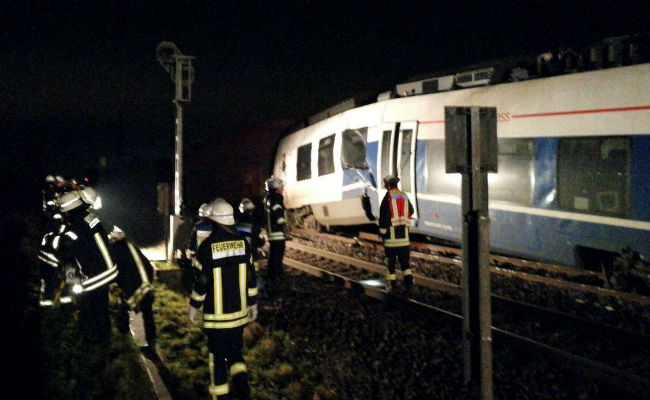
276, 225
249, 227
57, 280
84, 244
394, 219
226, 289
52, 275
55, 187
200, 231
132, 290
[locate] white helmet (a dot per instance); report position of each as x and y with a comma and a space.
59, 180
273, 183
203, 210
116, 234
246, 205
89, 196
221, 212
69, 201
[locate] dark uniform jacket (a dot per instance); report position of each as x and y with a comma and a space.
85, 244
249, 227
200, 231
136, 272
226, 285
275, 219
394, 218
51, 273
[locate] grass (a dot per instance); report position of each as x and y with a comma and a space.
71, 369
276, 368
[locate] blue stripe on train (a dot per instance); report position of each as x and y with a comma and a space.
539, 237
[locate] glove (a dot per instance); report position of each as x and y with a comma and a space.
252, 313
194, 315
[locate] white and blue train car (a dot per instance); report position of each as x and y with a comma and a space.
573, 177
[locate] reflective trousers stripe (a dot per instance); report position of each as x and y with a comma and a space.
237, 368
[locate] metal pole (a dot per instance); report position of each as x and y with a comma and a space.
180, 68
470, 135
480, 228
175, 219
178, 160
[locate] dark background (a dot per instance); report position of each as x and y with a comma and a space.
80, 81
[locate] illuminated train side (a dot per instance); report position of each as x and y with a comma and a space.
574, 164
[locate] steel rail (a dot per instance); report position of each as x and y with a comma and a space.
629, 383
452, 288
554, 282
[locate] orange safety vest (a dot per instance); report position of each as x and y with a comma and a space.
394, 220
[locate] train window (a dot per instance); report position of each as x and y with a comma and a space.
326, 156
594, 175
385, 153
303, 168
436, 180
353, 148
514, 181
405, 160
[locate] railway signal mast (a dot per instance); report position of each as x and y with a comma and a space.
471, 149
179, 67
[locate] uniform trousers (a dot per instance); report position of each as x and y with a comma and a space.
225, 352
121, 318
401, 254
94, 318
276, 255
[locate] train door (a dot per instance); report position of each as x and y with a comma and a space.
397, 156
405, 160
386, 163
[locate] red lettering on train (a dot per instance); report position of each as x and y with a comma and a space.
504, 117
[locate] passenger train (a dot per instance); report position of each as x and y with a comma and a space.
573, 180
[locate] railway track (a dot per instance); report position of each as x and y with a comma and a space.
615, 355
562, 288
452, 255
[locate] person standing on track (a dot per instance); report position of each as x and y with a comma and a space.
276, 226
395, 214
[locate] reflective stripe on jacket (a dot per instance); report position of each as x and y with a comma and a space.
275, 219
85, 244
227, 284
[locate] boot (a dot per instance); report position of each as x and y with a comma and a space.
408, 283
389, 286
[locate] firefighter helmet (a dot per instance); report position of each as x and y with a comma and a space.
116, 234
391, 180
246, 205
273, 183
221, 212
69, 201
203, 210
89, 196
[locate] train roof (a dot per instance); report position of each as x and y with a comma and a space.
611, 52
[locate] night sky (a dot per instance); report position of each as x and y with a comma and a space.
80, 79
